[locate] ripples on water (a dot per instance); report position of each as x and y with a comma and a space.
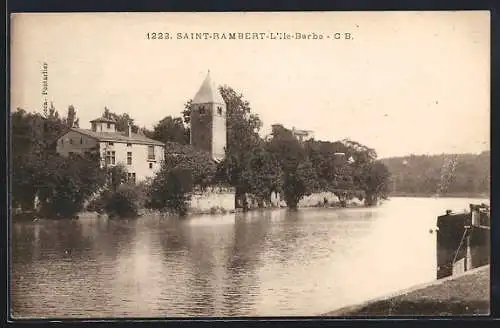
268, 263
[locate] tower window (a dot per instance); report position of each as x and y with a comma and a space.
219, 110
150, 165
202, 110
109, 125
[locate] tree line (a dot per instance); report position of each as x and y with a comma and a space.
444, 174
253, 165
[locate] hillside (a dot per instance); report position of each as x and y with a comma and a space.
445, 174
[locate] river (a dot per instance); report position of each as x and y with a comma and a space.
263, 263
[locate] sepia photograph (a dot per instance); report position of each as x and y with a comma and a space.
249, 164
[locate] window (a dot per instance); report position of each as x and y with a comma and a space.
109, 125
94, 127
70, 153
110, 143
151, 153
110, 157
81, 140
131, 178
71, 141
129, 145
219, 110
62, 141
150, 165
129, 158
202, 110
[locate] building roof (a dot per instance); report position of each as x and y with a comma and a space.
119, 137
208, 93
103, 119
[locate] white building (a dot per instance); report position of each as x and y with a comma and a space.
302, 135
141, 156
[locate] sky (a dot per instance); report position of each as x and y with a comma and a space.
403, 83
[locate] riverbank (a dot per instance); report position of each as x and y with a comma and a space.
465, 294
214, 210
447, 195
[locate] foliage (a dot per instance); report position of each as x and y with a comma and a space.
124, 202
61, 184
117, 175
177, 188
98, 204
262, 175
71, 119
171, 129
198, 162
183, 169
248, 166
330, 163
170, 190
299, 176
422, 174
375, 182
64, 184
122, 120
242, 136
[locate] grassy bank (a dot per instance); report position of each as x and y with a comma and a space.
465, 294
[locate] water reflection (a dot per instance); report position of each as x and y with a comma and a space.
259, 263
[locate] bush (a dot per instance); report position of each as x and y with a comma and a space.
124, 202
170, 190
98, 204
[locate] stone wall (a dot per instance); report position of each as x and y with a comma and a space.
314, 199
213, 200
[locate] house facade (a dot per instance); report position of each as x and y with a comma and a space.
141, 156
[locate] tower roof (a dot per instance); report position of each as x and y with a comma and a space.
208, 93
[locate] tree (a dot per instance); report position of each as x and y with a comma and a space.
122, 120
65, 184
183, 169
71, 117
299, 176
333, 170
375, 182
124, 202
33, 139
61, 184
178, 188
171, 129
242, 138
262, 175
117, 175
432, 174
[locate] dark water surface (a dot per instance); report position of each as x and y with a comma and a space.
268, 263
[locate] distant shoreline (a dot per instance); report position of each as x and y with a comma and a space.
448, 195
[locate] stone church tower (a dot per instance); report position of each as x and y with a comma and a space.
208, 120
